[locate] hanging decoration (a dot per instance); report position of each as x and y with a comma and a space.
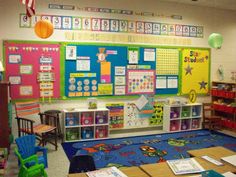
43, 29
220, 71
215, 40
29, 6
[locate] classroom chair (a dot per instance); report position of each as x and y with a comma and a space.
45, 131
210, 120
82, 163
26, 147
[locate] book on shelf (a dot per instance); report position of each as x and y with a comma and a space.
185, 166
106, 172
230, 159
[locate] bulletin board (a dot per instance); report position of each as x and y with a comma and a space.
33, 69
76, 70
195, 64
116, 70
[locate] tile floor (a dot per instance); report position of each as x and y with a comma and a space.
57, 160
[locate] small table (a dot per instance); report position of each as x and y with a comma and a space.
57, 114
129, 171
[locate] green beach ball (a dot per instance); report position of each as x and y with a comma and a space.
215, 40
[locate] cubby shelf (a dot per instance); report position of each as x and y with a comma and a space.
86, 124
182, 117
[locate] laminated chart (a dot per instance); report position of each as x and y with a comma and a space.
167, 70
167, 62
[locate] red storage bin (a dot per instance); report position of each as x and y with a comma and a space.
229, 94
221, 107
216, 106
234, 125
221, 93
229, 109
214, 92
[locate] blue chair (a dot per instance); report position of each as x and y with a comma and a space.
26, 148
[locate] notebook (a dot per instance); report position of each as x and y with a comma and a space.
230, 159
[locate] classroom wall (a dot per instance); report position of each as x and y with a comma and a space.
213, 20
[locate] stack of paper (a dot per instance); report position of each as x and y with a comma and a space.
106, 172
185, 166
230, 159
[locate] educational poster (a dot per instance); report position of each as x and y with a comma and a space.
195, 71
116, 115
147, 110
29, 65
140, 82
157, 116
132, 119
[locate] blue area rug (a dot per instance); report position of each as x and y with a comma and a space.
135, 151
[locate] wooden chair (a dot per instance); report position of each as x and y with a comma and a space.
45, 131
210, 120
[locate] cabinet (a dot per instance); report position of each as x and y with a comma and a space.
182, 117
223, 95
86, 124
5, 130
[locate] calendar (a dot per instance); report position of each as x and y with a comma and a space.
141, 81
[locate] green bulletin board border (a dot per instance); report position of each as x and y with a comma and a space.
62, 64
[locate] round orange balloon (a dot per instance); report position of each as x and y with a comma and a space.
43, 29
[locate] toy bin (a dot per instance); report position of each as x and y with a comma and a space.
87, 133
174, 112
71, 119
72, 134
86, 118
101, 131
185, 124
196, 111
195, 123
185, 112
174, 125
101, 117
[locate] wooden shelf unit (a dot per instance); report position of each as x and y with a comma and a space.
5, 129
223, 96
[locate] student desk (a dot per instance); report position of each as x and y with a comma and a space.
163, 169
214, 152
129, 171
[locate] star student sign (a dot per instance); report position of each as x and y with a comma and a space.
195, 72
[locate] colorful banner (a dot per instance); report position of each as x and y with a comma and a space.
195, 71
114, 25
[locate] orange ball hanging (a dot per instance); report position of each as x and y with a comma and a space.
43, 29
